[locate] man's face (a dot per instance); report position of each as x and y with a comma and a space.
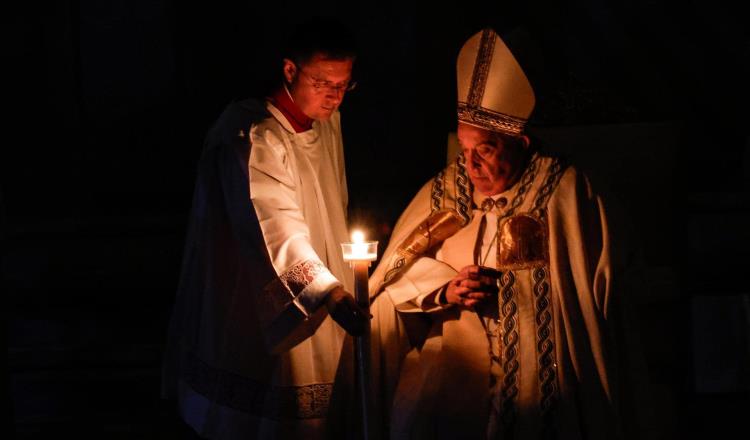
318, 86
492, 161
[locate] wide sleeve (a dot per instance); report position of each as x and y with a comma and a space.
417, 210
410, 289
420, 281
581, 270
273, 191
589, 253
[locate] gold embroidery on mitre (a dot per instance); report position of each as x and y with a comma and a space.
481, 68
490, 120
493, 91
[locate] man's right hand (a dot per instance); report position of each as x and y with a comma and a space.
344, 309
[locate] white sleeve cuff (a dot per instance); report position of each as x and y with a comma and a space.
423, 277
311, 296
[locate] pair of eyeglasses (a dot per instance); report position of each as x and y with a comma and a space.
319, 85
484, 151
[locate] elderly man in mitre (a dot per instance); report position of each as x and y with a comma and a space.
505, 282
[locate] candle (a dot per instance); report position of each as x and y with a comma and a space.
360, 253
359, 249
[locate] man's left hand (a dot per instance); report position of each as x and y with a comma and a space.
346, 312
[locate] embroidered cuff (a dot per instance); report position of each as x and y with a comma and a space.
309, 282
310, 298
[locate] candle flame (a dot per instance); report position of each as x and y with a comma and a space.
358, 236
359, 250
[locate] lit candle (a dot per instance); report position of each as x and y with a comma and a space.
359, 249
360, 253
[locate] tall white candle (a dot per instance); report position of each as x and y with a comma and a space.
360, 253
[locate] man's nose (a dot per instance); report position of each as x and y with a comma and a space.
335, 94
336, 98
471, 158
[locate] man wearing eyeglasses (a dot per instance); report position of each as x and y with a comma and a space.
264, 303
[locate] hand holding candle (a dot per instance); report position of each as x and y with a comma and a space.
353, 315
344, 310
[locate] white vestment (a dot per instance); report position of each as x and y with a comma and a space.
258, 353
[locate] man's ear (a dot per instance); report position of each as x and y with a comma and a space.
290, 70
526, 141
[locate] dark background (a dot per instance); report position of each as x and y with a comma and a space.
109, 103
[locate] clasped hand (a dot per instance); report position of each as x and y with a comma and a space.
472, 285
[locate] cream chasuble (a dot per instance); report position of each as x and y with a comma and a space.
538, 362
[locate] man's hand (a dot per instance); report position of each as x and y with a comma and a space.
344, 309
472, 285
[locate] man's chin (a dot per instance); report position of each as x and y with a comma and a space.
322, 117
483, 189
326, 113
487, 187
479, 182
